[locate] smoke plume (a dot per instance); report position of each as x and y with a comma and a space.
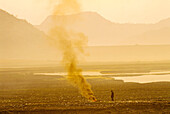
71, 44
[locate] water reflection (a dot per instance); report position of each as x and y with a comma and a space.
145, 78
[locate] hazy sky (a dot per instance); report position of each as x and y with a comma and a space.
123, 11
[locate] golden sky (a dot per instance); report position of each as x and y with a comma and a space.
122, 11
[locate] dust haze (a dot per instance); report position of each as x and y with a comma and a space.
71, 44
81, 62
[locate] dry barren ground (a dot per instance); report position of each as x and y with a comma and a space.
23, 92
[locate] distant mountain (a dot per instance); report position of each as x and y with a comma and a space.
100, 31
152, 37
21, 40
129, 53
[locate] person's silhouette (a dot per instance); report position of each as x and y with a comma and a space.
112, 95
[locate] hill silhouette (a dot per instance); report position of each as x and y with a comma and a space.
19, 40
101, 31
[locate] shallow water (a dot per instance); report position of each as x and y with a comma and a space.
94, 73
64, 73
145, 78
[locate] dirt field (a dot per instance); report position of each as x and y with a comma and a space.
23, 92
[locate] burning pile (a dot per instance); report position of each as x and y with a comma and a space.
71, 44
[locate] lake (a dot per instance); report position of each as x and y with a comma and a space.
146, 78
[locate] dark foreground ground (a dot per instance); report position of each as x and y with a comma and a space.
93, 108
23, 92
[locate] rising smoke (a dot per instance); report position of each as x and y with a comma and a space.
71, 44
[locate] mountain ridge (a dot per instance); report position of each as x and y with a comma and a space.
101, 31
95, 13
20, 40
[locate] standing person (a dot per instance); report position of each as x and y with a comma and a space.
112, 95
